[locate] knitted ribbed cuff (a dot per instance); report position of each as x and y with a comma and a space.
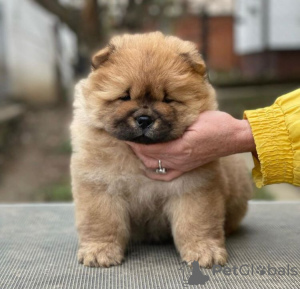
275, 156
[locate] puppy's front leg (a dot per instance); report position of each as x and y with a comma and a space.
197, 221
103, 226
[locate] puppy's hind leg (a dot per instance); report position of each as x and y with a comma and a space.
103, 226
197, 221
235, 211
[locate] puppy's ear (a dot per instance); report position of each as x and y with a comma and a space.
195, 60
101, 56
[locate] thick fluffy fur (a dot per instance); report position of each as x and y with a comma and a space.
115, 202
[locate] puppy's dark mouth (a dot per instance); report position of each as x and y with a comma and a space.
152, 136
143, 131
145, 140
143, 137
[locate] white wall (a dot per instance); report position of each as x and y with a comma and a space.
267, 24
31, 51
284, 23
248, 28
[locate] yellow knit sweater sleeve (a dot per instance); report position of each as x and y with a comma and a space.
276, 131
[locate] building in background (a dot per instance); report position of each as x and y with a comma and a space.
210, 25
241, 40
267, 38
245, 40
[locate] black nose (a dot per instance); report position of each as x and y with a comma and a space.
144, 121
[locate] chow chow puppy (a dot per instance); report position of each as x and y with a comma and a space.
148, 88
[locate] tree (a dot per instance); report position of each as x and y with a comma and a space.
93, 23
87, 23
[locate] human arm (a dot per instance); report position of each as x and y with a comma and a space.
276, 130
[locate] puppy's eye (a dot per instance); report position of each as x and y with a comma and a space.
167, 100
125, 97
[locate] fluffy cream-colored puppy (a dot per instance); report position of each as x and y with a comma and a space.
148, 88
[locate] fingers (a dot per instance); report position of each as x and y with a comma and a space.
169, 176
149, 162
152, 163
154, 150
150, 154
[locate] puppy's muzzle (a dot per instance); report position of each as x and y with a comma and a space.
144, 121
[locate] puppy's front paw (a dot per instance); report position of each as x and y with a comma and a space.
206, 253
100, 254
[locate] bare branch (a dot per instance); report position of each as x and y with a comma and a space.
131, 21
93, 31
67, 15
90, 19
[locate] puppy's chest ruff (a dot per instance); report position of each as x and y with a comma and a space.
124, 174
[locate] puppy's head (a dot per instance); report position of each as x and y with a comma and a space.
147, 88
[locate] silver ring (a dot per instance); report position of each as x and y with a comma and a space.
160, 170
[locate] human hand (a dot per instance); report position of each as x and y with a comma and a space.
214, 134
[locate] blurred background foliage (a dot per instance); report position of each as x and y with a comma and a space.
251, 47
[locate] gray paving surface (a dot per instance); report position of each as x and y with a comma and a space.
38, 246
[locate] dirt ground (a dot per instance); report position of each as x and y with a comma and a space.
36, 163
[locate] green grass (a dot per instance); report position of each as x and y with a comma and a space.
262, 194
65, 147
60, 192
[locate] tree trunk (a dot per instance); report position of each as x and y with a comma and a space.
89, 25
